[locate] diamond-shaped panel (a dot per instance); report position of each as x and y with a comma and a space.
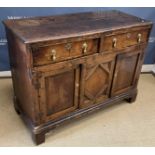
97, 81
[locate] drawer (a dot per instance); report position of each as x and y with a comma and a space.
54, 53
120, 41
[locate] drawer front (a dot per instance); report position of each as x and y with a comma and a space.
59, 52
120, 41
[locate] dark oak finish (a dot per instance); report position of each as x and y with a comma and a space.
43, 54
59, 95
66, 66
123, 40
125, 72
96, 80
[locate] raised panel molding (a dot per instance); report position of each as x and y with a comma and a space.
44, 81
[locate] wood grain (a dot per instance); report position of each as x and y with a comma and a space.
97, 61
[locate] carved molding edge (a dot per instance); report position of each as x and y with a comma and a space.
145, 69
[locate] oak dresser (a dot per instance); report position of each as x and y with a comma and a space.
66, 66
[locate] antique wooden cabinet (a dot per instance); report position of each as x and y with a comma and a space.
66, 66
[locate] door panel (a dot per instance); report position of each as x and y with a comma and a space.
59, 95
59, 92
125, 71
96, 81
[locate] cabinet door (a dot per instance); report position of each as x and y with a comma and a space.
96, 80
59, 92
126, 72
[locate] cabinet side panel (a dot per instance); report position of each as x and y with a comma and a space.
24, 92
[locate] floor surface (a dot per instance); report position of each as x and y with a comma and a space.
123, 124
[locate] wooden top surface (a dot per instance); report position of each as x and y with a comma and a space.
38, 29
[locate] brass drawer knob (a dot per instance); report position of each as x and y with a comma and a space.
84, 47
139, 37
52, 55
114, 42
